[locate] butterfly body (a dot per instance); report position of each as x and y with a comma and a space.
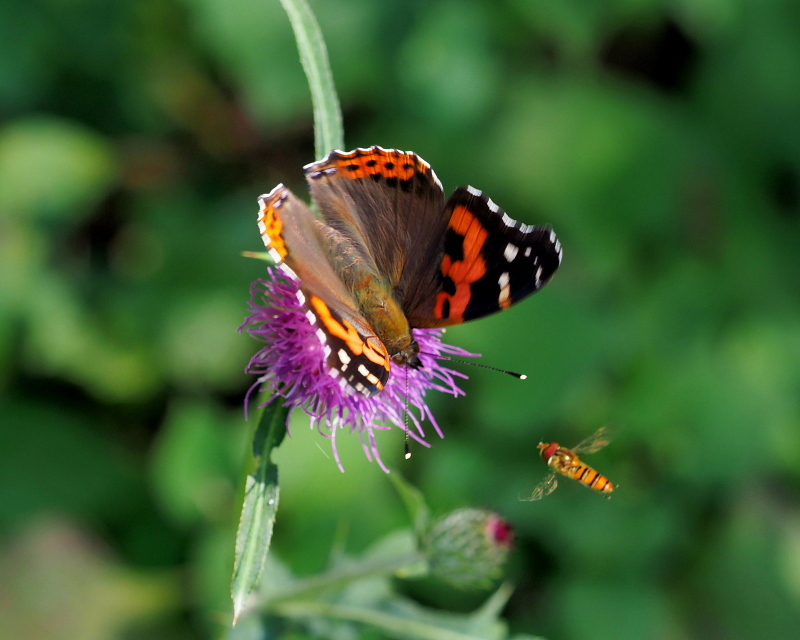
391, 255
373, 295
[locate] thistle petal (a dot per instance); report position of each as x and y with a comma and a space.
292, 364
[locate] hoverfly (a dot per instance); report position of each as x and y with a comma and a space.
566, 462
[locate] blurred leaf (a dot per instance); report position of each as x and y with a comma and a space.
202, 348
22, 257
53, 168
450, 85
249, 38
733, 583
60, 584
398, 617
590, 609
64, 340
55, 461
189, 464
414, 501
259, 506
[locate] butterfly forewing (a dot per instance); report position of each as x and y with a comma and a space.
353, 352
390, 203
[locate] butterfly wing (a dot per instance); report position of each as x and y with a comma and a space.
594, 442
445, 263
295, 239
390, 204
488, 262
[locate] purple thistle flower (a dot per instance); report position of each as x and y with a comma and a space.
292, 365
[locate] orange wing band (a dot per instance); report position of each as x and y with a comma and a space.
374, 351
271, 227
390, 164
462, 272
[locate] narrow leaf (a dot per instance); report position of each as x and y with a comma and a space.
328, 132
259, 506
415, 503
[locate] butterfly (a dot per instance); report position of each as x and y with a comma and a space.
390, 254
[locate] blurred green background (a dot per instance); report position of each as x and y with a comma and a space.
660, 138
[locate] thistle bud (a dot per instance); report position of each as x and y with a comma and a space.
468, 548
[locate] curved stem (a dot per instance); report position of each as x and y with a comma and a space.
393, 625
328, 131
340, 577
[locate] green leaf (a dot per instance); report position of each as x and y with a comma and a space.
398, 617
53, 168
189, 463
414, 501
328, 131
259, 506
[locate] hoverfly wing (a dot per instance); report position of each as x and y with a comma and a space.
544, 488
594, 442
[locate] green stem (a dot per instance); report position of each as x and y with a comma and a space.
340, 577
328, 131
393, 625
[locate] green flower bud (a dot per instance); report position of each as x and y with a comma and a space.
468, 547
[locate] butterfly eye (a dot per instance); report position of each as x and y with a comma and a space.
408, 356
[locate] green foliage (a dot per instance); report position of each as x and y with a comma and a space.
259, 506
660, 139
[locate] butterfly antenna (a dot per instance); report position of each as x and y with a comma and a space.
520, 376
407, 446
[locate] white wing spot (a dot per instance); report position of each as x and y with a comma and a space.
492, 206
344, 357
311, 317
322, 337
510, 252
300, 297
363, 370
474, 191
552, 236
528, 252
538, 275
505, 289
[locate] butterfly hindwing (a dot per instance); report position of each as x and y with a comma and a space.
488, 262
